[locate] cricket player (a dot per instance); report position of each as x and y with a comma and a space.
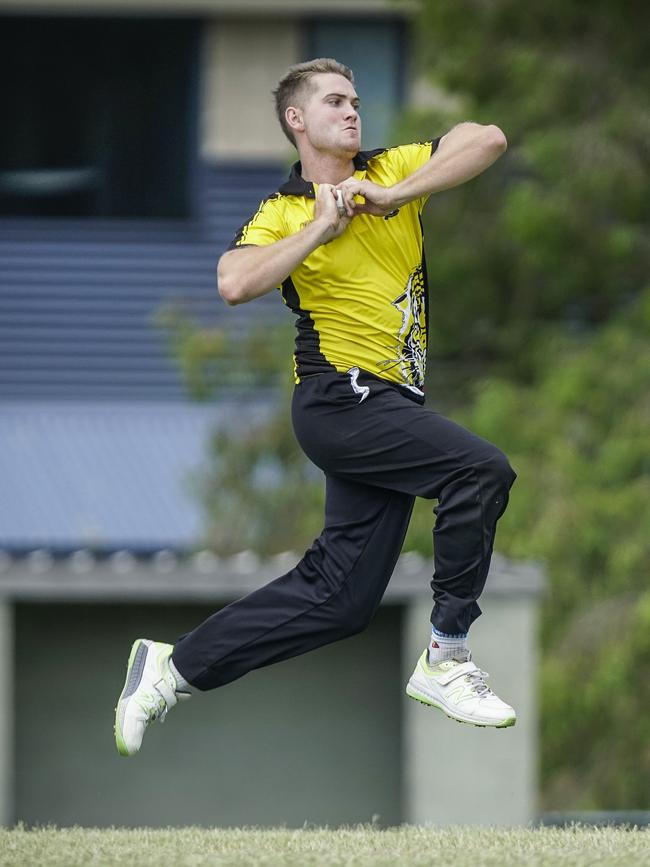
342, 240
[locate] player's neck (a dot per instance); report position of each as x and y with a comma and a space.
326, 168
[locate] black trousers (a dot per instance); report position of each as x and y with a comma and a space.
379, 449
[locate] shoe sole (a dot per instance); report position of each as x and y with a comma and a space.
429, 702
134, 670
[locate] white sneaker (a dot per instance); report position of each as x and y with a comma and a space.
149, 693
457, 687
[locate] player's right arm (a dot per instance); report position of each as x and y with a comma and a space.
248, 272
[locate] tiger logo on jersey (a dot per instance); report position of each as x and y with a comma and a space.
411, 348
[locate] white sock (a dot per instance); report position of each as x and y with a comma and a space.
181, 684
444, 646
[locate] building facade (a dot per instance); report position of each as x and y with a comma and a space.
141, 136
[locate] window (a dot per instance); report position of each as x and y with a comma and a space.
99, 117
375, 51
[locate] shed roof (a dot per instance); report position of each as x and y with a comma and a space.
205, 577
106, 476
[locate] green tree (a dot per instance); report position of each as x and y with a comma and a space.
540, 339
579, 439
557, 230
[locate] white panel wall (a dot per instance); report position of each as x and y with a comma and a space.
241, 65
314, 739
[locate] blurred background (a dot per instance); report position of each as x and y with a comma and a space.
148, 472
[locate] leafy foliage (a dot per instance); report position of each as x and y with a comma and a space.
557, 230
579, 440
285, 511
542, 294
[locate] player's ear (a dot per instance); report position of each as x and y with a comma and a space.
294, 118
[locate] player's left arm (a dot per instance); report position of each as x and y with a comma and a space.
462, 154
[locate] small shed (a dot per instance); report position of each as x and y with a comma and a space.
327, 738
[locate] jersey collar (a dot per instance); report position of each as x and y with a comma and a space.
296, 185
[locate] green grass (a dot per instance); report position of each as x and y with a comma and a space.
354, 847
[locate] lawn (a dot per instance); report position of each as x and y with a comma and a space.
313, 847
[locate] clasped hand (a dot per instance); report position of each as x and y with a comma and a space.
378, 200
377, 203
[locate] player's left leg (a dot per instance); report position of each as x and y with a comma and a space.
152, 687
457, 687
396, 443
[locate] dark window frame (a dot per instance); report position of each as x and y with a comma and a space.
133, 27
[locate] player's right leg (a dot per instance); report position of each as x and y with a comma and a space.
332, 593
150, 690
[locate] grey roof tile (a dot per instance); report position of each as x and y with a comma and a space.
104, 476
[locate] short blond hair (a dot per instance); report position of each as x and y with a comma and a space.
297, 79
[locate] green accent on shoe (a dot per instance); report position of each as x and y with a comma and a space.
119, 739
418, 696
121, 746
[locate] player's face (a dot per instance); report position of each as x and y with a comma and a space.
331, 115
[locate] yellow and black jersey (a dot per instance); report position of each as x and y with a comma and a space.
361, 300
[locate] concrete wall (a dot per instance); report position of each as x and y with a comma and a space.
460, 774
325, 738
6, 712
314, 739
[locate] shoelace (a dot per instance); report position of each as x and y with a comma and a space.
160, 712
474, 678
155, 708
477, 682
